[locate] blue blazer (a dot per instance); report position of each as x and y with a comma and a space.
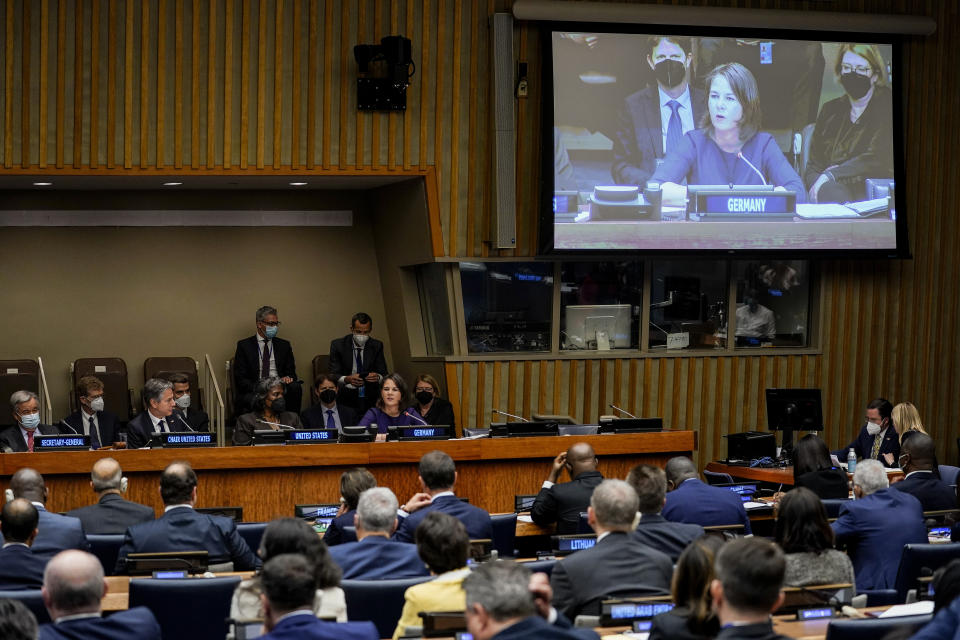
308, 627
537, 627
698, 503
56, 533
476, 520
183, 529
378, 558
111, 514
944, 626
136, 623
108, 427
334, 534
875, 528
667, 537
20, 568
863, 446
932, 492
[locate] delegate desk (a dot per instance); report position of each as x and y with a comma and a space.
777, 475
268, 481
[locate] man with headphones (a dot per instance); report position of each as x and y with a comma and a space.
111, 514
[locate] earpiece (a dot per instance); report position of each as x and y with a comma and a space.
124, 483
8, 494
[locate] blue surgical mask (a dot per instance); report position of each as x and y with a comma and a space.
30, 421
270, 332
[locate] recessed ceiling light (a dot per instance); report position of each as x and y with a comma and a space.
298, 184
172, 184
43, 184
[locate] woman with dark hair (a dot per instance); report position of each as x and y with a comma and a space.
389, 410
692, 618
729, 148
353, 482
291, 535
269, 412
804, 534
813, 469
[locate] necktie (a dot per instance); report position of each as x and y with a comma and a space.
331, 423
359, 362
30, 440
92, 427
162, 426
674, 128
877, 440
265, 366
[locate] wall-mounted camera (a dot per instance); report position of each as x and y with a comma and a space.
385, 70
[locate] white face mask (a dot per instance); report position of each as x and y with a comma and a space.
30, 421
873, 429
183, 402
360, 340
97, 404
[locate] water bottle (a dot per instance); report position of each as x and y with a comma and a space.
851, 461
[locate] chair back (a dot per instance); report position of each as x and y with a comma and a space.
873, 628
17, 375
116, 387
948, 473
725, 531
832, 505
32, 600
815, 595
320, 364
583, 526
169, 600
917, 559
504, 533
541, 566
162, 367
879, 597
349, 534
714, 477
252, 533
379, 601
106, 546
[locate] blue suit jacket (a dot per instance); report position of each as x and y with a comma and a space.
863, 446
944, 626
376, 557
136, 623
537, 627
108, 426
57, 532
141, 428
183, 529
334, 534
668, 537
307, 627
20, 568
875, 528
698, 503
476, 520
932, 492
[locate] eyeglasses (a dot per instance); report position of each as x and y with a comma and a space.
272, 324
859, 70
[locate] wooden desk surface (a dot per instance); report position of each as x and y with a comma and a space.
782, 476
809, 629
117, 597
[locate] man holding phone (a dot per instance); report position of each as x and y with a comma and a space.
358, 362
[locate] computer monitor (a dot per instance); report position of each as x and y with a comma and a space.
234, 513
523, 503
790, 410
144, 564
355, 433
583, 323
746, 490
321, 515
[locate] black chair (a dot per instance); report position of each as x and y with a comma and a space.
379, 601
873, 628
349, 534
713, 477
832, 505
541, 566
921, 559
32, 600
206, 599
582, 525
504, 533
949, 474
252, 533
879, 597
106, 546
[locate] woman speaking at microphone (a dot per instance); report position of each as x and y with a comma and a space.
269, 412
729, 148
389, 410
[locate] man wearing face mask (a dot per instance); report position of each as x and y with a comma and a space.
193, 419
877, 437
91, 419
358, 362
264, 355
328, 413
26, 414
654, 119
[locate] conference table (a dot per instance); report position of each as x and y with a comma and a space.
268, 481
774, 475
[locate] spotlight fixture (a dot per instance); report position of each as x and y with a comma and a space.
43, 184
172, 184
298, 184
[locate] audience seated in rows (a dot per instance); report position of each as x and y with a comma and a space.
18, 437
91, 418
353, 482
55, 532
286, 536
375, 556
73, 587
111, 514
805, 536
263, 356
157, 416
813, 469
437, 478
619, 564
328, 413
180, 528
692, 618
194, 419
748, 587
876, 525
443, 545
654, 530
20, 568
690, 500
358, 363
269, 412
562, 503
429, 404
918, 461
16, 621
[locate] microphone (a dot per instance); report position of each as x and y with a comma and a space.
179, 417
509, 415
276, 424
67, 424
410, 415
750, 164
616, 408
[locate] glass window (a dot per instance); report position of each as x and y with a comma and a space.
773, 303
507, 305
435, 309
688, 304
600, 305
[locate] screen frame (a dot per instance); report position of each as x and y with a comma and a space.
545, 215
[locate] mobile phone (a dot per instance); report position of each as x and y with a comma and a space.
463, 635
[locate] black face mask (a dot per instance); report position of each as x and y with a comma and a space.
279, 405
328, 395
670, 73
855, 85
423, 397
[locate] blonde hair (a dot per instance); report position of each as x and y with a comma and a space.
906, 418
870, 53
430, 380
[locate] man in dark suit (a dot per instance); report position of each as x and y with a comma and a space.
878, 439
91, 419
375, 556
654, 119
26, 415
264, 355
358, 363
690, 500
158, 404
619, 564
188, 417
289, 587
918, 456
181, 528
876, 525
73, 588
438, 475
563, 503
111, 514
54, 531
748, 587
654, 530
328, 413
19, 567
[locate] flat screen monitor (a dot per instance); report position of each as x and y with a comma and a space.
523, 503
144, 564
234, 513
794, 410
745, 490
321, 515
587, 326
636, 153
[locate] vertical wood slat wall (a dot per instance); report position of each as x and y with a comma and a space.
205, 86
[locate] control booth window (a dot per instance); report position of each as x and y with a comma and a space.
434, 305
507, 305
688, 304
773, 303
600, 304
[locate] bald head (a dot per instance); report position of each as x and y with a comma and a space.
679, 469
73, 583
580, 458
106, 475
28, 484
177, 483
18, 521
922, 452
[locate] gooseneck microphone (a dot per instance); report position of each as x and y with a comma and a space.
509, 415
422, 421
67, 424
276, 424
750, 164
187, 424
627, 413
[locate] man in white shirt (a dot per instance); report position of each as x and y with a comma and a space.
91, 418
755, 320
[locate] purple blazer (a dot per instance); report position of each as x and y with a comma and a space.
382, 420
